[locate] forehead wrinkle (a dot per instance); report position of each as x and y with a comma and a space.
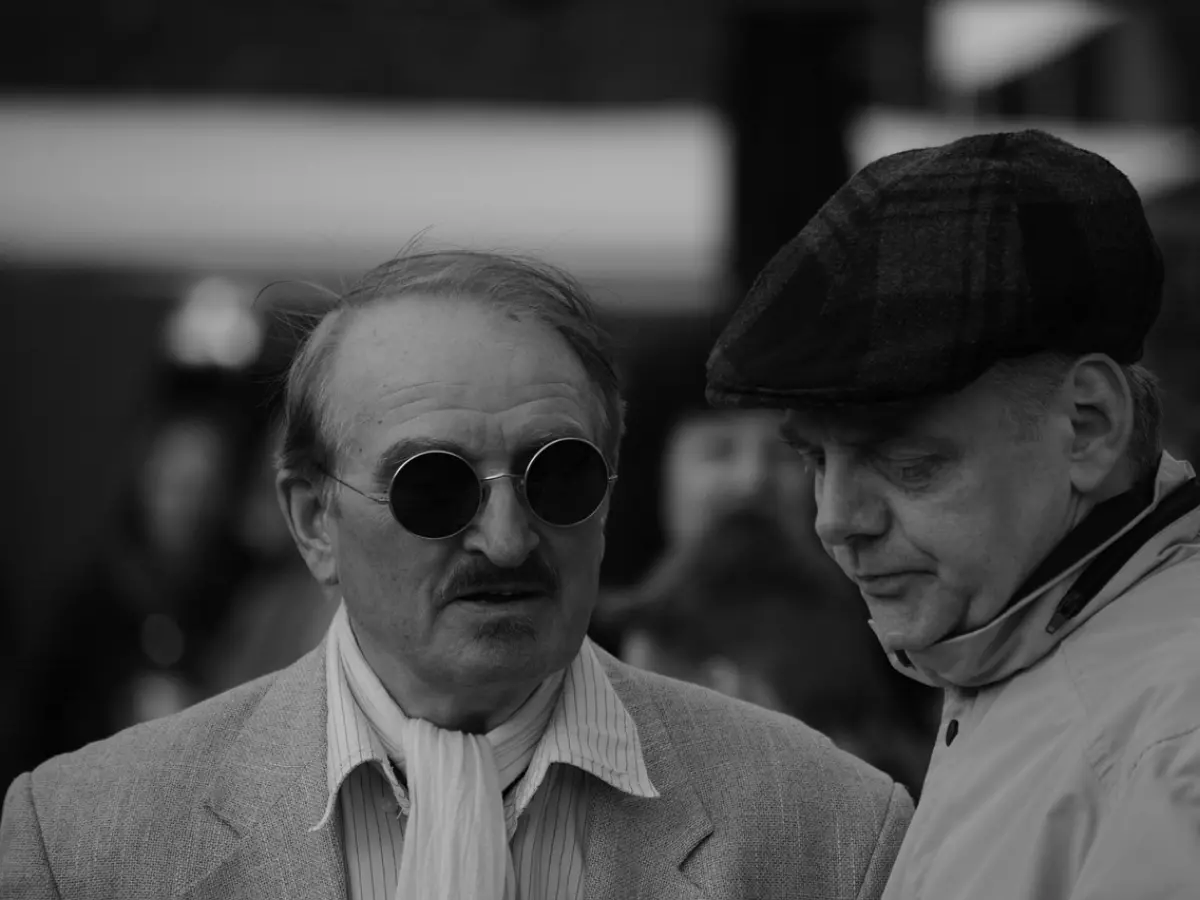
504, 398
495, 383
513, 426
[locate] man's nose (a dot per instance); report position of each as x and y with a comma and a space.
502, 531
847, 507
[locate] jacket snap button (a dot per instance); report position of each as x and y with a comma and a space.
951, 732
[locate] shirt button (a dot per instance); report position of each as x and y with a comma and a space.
951, 732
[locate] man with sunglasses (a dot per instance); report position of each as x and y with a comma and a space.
955, 338
451, 443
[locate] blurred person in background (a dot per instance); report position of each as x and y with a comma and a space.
724, 461
714, 464
451, 441
955, 337
129, 639
746, 603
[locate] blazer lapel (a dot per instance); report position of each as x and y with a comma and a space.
253, 839
637, 846
266, 796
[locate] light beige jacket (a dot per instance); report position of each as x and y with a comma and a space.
1072, 770
216, 804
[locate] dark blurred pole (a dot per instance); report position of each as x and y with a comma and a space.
796, 76
1181, 30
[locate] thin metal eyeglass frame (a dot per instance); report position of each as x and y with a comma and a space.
483, 480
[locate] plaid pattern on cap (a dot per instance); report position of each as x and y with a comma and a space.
929, 266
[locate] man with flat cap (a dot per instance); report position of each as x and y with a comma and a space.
955, 337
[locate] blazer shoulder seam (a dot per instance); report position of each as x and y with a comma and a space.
893, 803
41, 836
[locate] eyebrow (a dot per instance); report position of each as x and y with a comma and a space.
406, 448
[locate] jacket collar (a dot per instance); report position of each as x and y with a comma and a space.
267, 790
1023, 634
659, 832
255, 839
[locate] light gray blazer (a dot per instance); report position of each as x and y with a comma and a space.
216, 803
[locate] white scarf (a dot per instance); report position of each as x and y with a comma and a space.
456, 840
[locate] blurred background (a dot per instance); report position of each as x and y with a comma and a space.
163, 166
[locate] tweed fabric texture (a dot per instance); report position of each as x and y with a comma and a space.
929, 266
217, 803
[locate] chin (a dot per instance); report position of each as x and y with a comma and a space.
897, 642
909, 635
514, 647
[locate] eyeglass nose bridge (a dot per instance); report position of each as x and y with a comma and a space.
520, 476
518, 481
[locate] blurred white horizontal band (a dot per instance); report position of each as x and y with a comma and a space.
1156, 160
977, 44
237, 185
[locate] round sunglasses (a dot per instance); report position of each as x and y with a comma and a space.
436, 494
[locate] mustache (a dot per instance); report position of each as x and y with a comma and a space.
478, 574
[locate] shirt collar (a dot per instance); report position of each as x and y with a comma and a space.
589, 728
350, 739
592, 730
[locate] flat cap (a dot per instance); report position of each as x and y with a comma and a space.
929, 266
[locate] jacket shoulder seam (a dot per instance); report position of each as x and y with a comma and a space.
893, 802
41, 836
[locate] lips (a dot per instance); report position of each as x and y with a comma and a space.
886, 584
502, 594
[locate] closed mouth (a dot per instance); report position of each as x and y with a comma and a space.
502, 595
886, 583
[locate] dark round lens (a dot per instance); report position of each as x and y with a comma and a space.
566, 482
435, 494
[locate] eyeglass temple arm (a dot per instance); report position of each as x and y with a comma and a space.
346, 484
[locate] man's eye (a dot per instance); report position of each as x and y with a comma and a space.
915, 470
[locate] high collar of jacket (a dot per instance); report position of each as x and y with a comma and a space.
1023, 634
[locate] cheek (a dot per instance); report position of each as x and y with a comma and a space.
576, 555
963, 546
379, 564
986, 539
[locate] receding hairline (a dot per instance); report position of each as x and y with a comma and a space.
329, 337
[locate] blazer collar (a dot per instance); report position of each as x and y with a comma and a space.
272, 785
639, 841
267, 791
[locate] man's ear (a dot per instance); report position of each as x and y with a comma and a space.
307, 511
1100, 406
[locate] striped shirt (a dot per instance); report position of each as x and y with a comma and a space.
590, 733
